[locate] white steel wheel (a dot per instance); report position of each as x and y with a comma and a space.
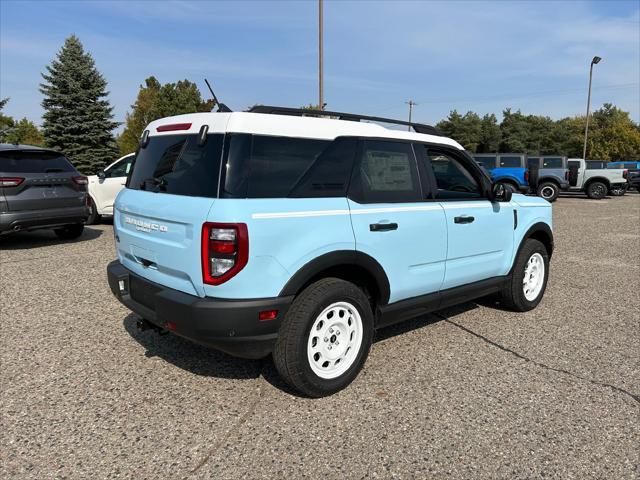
334, 340
533, 279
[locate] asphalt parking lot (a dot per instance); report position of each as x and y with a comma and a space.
469, 392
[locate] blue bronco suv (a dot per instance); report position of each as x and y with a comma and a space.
276, 232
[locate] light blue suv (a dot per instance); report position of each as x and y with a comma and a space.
275, 231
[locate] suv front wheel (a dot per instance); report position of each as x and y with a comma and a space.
528, 281
325, 337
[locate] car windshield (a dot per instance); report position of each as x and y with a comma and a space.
25, 161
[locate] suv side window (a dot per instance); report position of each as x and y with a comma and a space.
453, 179
487, 162
552, 162
508, 161
386, 172
120, 169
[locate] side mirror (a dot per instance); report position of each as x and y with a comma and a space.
101, 175
501, 192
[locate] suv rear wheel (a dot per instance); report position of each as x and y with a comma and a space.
69, 232
528, 280
549, 191
596, 190
325, 337
94, 216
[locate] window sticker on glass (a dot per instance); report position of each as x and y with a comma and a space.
387, 171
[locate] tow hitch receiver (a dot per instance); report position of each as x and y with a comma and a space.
143, 324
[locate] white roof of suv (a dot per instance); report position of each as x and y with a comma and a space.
288, 126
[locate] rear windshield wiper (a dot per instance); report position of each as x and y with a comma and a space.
158, 182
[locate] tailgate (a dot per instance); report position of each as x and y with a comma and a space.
44, 191
158, 237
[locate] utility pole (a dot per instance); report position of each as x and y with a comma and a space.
320, 58
411, 104
586, 128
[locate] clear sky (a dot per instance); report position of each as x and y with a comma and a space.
467, 55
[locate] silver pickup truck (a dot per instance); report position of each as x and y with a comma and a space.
594, 182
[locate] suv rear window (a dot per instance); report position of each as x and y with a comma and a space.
176, 164
24, 161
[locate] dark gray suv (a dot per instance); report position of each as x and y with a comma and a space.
39, 188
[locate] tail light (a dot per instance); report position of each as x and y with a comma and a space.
80, 180
625, 173
225, 251
10, 181
566, 175
526, 176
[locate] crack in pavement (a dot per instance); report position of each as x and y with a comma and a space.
234, 428
536, 363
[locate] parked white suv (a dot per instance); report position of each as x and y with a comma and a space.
105, 186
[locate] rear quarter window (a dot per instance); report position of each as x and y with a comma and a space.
22, 161
260, 166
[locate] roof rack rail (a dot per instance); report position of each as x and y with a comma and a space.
301, 112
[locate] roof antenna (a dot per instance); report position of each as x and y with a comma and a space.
221, 106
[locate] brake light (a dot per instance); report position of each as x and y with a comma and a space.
10, 181
173, 127
80, 180
225, 251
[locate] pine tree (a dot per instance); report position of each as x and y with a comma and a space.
78, 118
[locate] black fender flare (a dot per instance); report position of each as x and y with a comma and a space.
531, 232
339, 258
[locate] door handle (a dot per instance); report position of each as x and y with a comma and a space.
383, 227
463, 219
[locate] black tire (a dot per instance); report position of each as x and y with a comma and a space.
549, 191
596, 190
513, 187
69, 232
94, 216
513, 296
618, 190
290, 352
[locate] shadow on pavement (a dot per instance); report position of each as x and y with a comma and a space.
43, 238
192, 357
206, 362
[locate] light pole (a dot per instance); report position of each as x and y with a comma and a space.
320, 58
595, 60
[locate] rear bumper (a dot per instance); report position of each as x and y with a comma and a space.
37, 219
231, 326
